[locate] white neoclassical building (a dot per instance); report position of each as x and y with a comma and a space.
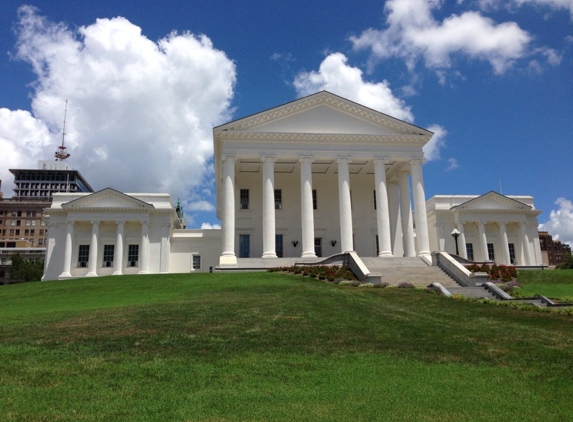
311, 178
318, 176
492, 227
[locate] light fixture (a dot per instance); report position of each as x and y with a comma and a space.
455, 235
333, 243
294, 243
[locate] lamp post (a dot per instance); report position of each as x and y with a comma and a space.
455, 235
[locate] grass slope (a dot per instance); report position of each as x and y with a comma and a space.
555, 284
262, 347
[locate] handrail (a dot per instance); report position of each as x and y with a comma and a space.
457, 271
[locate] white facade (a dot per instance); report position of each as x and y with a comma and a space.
320, 175
492, 227
112, 233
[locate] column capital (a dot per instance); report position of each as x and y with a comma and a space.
70, 223
380, 160
269, 157
344, 160
306, 159
417, 161
95, 222
226, 157
120, 222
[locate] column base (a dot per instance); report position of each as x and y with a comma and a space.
269, 255
91, 274
385, 254
65, 275
228, 261
117, 273
142, 272
308, 255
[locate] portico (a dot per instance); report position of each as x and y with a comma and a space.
492, 227
318, 176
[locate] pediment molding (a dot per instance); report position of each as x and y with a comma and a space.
323, 98
473, 205
122, 201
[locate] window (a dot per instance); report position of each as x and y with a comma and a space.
470, 251
18, 223
13, 213
3, 261
26, 232
490, 252
132, 255
33, 223
33, 213
13, 223
314, 200
17, 232
11, 232
278, 199
42, 223
108, 251
244, 199
32, 232
374, 195
40, 241
279, 245
41, 232
28, 223
244, 245
511, 247
83, 255
28, 213
196, 262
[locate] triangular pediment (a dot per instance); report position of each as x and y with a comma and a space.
323, 113
108, 199
492, 201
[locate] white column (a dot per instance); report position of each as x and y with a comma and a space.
504, 243
144, 252
164, 265
118, 256
462, 240
269, 247
382, 209
422, 235
68, 250
395, 225
483, 241
228, 257
345, 205
525, 244
93, 250
406, 213
307, 213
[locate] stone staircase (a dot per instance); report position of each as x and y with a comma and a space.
479, 292
410, 270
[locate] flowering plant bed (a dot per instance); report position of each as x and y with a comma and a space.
500, 273
320, 272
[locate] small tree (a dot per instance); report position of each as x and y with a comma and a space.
22, 270
567, 262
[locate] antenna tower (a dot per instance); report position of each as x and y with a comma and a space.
61, 153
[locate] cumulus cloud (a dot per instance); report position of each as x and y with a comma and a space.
140, 112
560, 224
201, 206
412, 34
209, 226
553, 4
438, 141
336, 76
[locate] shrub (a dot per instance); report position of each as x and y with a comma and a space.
368, 285
382, 285
405, 285
344, 283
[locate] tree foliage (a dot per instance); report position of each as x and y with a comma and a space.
23, 270
567, 262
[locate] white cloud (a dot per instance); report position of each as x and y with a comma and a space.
560, 224
553, 4
412, 33
209, 226
432, 148
453, 164
201, 206
336, 76
140, 112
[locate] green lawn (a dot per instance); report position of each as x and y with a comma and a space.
555, 284
273, 347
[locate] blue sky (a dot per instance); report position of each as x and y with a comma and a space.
147, 81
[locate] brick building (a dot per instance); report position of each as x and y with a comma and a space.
552, 251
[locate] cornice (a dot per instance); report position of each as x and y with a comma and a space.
320, 137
